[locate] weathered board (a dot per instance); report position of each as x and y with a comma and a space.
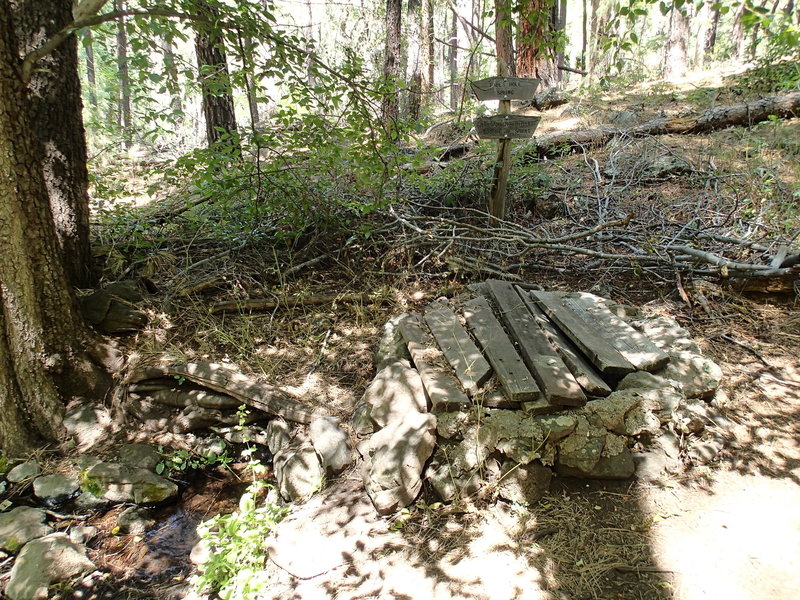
596, 348
554, 378
505, 88
470, 366
440, 385
517, 381
635, 347
506, 127
584, 373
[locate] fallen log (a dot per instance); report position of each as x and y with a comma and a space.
564, 142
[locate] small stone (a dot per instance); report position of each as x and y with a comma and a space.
84, 462
142, 456
396, 391
644, 380
278, 435
391, 346
55, 489
556, 427
24, 471
243, 435
362, 420
580, 451
698, 376
298, 472
81, 534
43, 562
210, 446
123, 483
21, 525
135, 520
86, 501
448, 484
452, 424
524, 484
331, 443
609, 412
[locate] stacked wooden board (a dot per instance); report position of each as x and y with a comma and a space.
544, 350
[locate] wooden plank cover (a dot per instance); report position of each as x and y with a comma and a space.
635, 347
584, 373
554, 378
470, 366
511, 371
440, 384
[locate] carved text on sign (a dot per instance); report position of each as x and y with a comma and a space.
506, 127
505, 88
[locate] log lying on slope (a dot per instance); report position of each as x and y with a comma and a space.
564, 142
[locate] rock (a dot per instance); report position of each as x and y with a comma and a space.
110, 312
665, 333
448, 483
331, 443
84, 462
87, 501
391, 347
135, 520
452, 424
640, 420
200, 553
705, 449
298, 472
524, 484
362, 419
81, 534
394, 465
21, 525
699, 377
243, 435
142, 456
24, 471
210, 446
123, 483
609, 412
88, 424
396, 391
278, 435
644, 380
624, 118
194, 418
43, 562
55, 489
556, 427
580, 451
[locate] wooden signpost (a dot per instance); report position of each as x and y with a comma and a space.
504, 127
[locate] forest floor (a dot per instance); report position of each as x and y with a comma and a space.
723, 527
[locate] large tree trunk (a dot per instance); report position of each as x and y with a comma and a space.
536, 47
40, 328
124, 118
215, 82
55, 102
504, 42
676, 58
391, 60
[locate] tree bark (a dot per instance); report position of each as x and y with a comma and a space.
91, 77
676, 58
427, 34
391, 61
215, 83
56, 109
711, 36
504, 42
171, 71
536, 45
452, 61
738, 33
246, 48
124, 112
40, 328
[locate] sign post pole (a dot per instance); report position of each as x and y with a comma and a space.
502, 165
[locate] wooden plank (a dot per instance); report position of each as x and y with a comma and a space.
584, 373
440, 384
505, 88
554, 378
517, 381
506, 127
635, 347
470, 366
598, 350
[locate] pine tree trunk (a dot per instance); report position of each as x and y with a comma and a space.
676, 58
91, 77
171, 70
738, 33
40, 329
427, 46
504, 42
711, 36
215, 82
452, 61
391, 59
55, 101
584, 34
124, 112
536, 56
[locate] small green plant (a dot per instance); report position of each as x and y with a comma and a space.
178, 461
3, 465
236, 544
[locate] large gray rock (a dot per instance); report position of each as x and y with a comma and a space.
698, 376
142, 456
43, 562
21, 525
610, 412
88, 425
391, 346
278, 435
24, 471
449, 483
55, 489
524, 484
396, 391
395, 461
331, 443
667, 334
581, 450
612, 461
524, 437
362, 419
298, 472
123, 483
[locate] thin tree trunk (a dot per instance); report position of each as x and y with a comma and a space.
427, 35
40, 328
452, 61
711, 36
55, 102
739, 33
391, 63
215, 84
676, 60
561, 25
246, 48
584, 34
415, 59
124, 112
504, 41
171, 70
91, 77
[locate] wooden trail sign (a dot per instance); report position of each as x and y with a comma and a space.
504, 88
506, 127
